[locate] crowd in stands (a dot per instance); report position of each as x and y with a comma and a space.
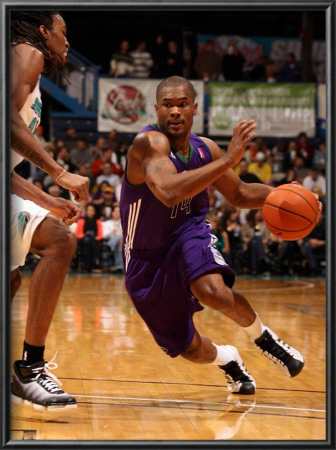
164, 57
243, 239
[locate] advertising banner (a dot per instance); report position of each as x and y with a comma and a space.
280, 110
127, 105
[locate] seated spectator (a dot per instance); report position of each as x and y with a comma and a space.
121, 63
62, 157
259, 145
255, 236
271, 75
290, 154
71, 138
242, 171
289, 177
305, 149
106, 203
118, 157
231, 224
112, 233
97, 164
81, 154
315, 246
108, 175
261, 169
222, 244
112, 140
315, 178
142, 60
89, 233
300, 168
319, 159
97, 149
290, 71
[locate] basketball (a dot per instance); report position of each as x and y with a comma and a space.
291, 212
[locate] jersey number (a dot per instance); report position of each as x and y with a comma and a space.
182, 205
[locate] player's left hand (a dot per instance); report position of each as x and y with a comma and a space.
65, 210
320, 206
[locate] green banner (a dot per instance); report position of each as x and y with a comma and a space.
279, 109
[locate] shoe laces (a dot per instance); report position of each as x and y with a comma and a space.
235, 373
273, 347
48, 379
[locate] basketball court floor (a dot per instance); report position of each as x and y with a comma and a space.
129, 390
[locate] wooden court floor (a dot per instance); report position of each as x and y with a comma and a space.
128, 389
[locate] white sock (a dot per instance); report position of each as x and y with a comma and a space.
225, 354
256, 329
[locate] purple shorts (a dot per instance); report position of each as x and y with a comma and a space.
158, 283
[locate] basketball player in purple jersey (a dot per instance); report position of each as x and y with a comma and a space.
38, 44
172, 267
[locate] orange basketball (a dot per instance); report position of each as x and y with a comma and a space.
290, 212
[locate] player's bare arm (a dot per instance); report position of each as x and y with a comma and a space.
171, 187
26, 66
58, 207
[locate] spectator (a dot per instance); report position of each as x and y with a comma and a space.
306, 149
244, 174
159, 62
96, 166
315, 178
121, 63
290, 154
231, 224
290, 72
106, 203
112, 232
107, 175
271, 75
112, 140
97, 195
289, 177
258, 73
173, 62
55, 190
101, 144
70, 141
81, 153
118, 157
41, 139
62, 157
261, 169
300, 168
208, 62
142, 60
319, 159
233, 63
259, 145
89, 233
315, 246
222, 244
255, 236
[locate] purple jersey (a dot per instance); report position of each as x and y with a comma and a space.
164, 250
147, 223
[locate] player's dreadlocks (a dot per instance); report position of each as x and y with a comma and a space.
25, 28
